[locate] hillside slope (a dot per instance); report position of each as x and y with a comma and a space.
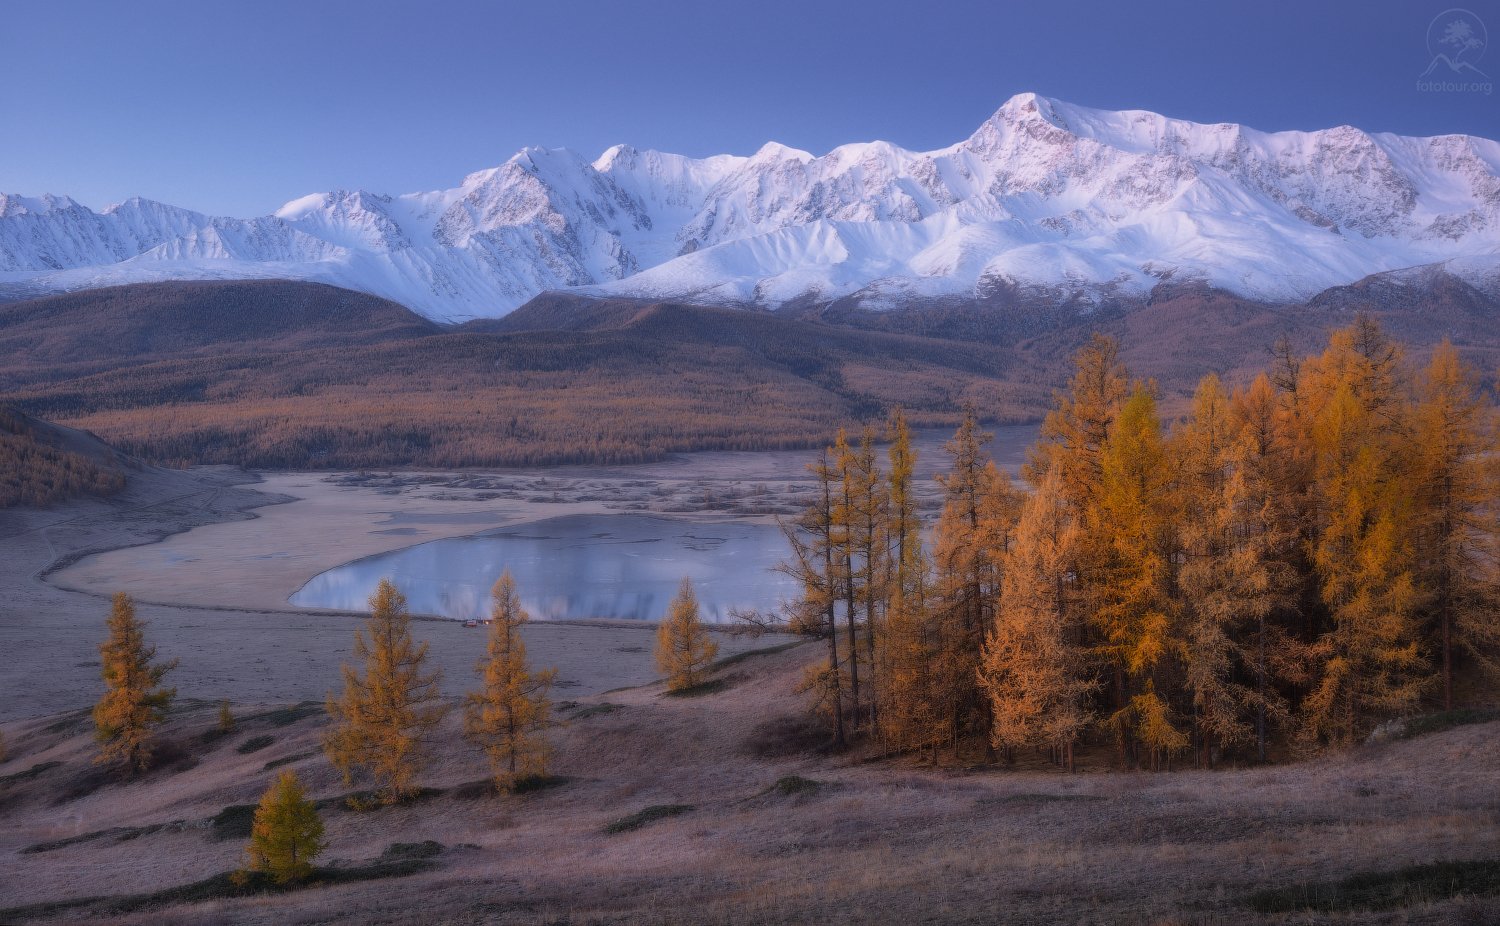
722, 808
376, 388
292, 375
42, 463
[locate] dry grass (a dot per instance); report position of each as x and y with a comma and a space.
781, 838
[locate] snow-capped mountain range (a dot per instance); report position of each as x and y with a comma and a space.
1072, 202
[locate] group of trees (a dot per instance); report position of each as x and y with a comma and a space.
387, 715
382, 723
385, 720
1293, 561
33, 472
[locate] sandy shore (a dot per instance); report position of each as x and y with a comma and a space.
213, 554
258, 564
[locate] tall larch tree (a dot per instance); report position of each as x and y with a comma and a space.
845, 563
684, 650
134, 702
979, 510
1035, 668
1231, 577
910, 716
388, 712
904, 527
812, 539
509, 714
869, 553
1072, 444
1371, 665
1457, 460
1271, 540
1137, 614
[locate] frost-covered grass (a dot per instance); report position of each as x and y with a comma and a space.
789, 834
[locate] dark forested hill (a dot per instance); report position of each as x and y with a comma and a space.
286, 375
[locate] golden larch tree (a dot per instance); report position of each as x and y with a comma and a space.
1368, 664
846, 579
1137, 614
1035, 668
134, 703
1456, 491
907, 647
813, 539
1233, 576
1270, 549
980, 506
862, 518
510, 711
287, 834
387, 712
684, 650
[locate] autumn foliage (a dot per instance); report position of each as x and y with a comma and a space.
34, 472
684, 650
286, 834
134, 701
388, 711
509, 713
1291, 563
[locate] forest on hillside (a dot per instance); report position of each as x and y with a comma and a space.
34, 472
1288, 566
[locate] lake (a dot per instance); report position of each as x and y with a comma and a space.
621, 566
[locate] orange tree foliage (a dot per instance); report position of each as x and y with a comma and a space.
684, 650
134, 703
510, 711
1295, 561
387, 712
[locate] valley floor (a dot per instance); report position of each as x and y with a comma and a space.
212, 554
746, 820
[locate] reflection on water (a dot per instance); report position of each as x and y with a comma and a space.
575, 567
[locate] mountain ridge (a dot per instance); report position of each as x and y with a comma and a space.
1056, 201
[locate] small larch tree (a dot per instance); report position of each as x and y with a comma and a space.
387, 713
508, 713
683, 648
287, 833
226, 718
134, 703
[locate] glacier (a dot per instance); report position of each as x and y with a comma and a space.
1073, 202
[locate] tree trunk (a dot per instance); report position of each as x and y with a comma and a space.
1447, 658
1260, 707
833, 669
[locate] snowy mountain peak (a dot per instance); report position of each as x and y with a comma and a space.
1072, 202
46, 204
776, 151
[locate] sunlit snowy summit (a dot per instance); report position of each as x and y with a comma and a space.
1047, 197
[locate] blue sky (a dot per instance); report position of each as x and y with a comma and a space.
235, 107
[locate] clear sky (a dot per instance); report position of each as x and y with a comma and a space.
234, 106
